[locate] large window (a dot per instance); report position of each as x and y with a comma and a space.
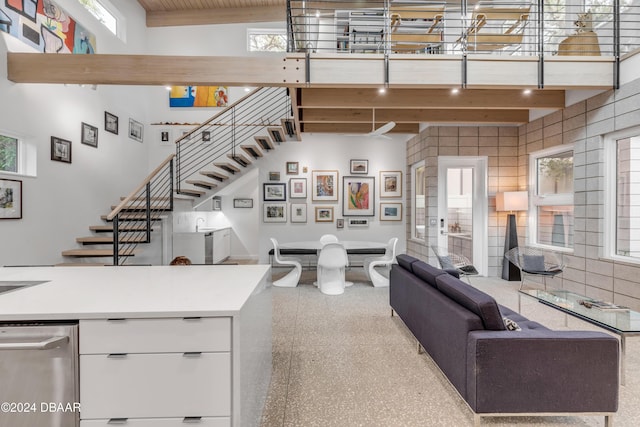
267, 40
418, 186
624, 203
552, 218
8, 154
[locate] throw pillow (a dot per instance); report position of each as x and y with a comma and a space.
533, 263
511, 325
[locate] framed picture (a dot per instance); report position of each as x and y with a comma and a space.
274, 176
292, 168
340, 223
359, 166
110, 122
358, 222
358, 196
89, 135
390, 184
206, 136
165, 135
10, 199
136, 130
325, 185
243, 203
390, 211
274, 192
298, 188
60, 150
298, 212
324, 213
275, 212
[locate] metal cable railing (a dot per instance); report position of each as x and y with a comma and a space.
133, 219
524, 28
224, 133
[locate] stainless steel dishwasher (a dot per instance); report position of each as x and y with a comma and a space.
39, 375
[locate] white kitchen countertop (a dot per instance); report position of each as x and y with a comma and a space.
130, 292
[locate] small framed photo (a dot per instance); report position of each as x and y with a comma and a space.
390, 184
136, 130
10, 199
110, 122
243, 203
89, 135
390, 211
274, 192
325, 185
275, 212
206, 136
358, 222
359, 166
298, 188
60, 150
298, 212
324, 213
340, 223
274, 176
292, 168
166, 136
358, 196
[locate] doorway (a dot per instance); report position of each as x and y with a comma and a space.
462, 208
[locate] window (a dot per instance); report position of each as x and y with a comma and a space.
8, 154
623, 208
267, 40
552, 218
418, 185
106, 13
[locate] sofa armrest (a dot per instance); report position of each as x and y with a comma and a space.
539, 370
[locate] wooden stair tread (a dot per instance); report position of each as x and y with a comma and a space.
142, 207
190, 192
215, 175
277, 134
100, 240
252, 150
227, 167
122, 228
97, 252
153, 199
264, 142
204, 184
133, 216
239, 159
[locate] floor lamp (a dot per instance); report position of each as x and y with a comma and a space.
511, 201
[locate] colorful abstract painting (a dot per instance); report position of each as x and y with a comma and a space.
198, 96
45, 26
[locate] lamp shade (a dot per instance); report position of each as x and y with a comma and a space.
512, 201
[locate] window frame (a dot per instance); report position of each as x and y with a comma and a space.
611, 193
115, 13
536, 201
272, 31
27, 156
19, 154
414, 205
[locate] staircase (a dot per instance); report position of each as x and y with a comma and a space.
237, 138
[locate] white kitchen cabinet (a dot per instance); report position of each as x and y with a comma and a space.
160, 422
221, 245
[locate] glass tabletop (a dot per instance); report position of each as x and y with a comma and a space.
610, 316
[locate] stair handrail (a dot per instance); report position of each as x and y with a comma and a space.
133, 194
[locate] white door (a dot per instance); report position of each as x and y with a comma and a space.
462, 208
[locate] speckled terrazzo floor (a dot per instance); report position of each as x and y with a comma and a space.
344, 361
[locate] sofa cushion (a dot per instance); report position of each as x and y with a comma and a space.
406, 261
427, 272
473, 300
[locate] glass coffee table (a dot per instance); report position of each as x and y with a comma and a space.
620, 320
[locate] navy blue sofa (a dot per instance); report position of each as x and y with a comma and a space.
498, 371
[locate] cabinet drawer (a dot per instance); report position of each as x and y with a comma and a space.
155, 385
159, 422
205, 334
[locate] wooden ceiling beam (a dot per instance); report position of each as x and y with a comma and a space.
227, 15
431, 98
313, 115
357, 128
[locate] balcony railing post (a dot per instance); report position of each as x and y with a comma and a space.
148, 211
178, 163
171, 185
540, 44
116, 241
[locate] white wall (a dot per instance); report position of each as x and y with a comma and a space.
63, 200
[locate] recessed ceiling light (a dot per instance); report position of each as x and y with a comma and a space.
382, 90
527, 91
246, 89
167, 87
455, 90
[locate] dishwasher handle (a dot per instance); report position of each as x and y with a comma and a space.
46, 344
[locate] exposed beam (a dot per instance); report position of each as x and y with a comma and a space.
312, 115
227, 15
154, 69
431, 98
356, 128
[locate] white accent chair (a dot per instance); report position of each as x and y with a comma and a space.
292, 277
328, 238
331, 268
386, 260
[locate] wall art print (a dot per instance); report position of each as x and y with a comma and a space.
358, 196
10, 199
198, 96
44, 25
